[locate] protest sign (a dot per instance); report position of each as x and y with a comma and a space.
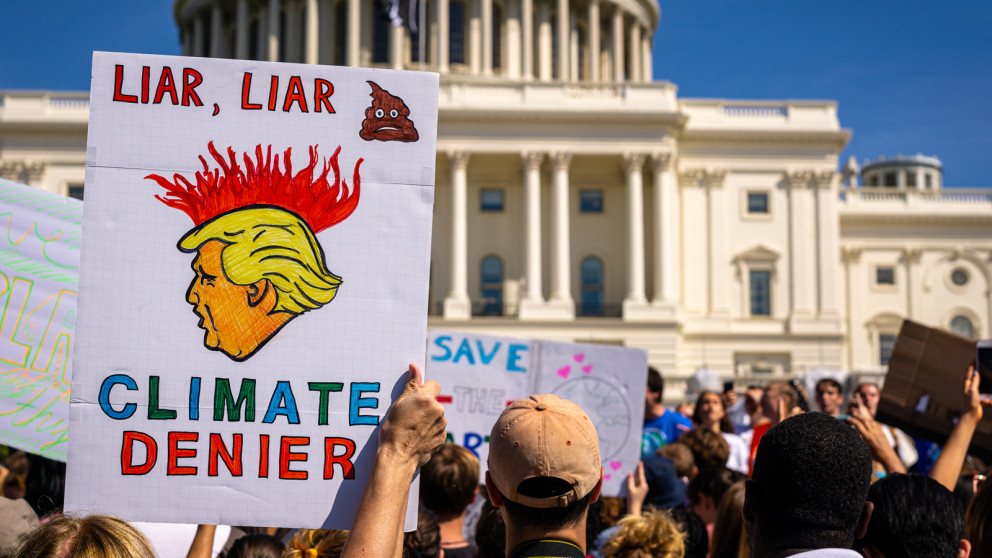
39, 273
253, 281
481, 374
923, 387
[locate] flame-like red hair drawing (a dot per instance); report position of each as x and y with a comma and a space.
314, 199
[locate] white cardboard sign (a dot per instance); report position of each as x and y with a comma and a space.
256, 244
481, 374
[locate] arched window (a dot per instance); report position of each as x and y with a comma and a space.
380, 34
963, 327
592, 286
456, 32
491, 271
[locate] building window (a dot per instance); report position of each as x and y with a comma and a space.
592, 287
963, 327
380, 34
959, 277
76, 191
886, 343
885, 276
911, 180
928, 180
491, 199
761, 294
873, 180
591, 201
341, 33
456, 33
757, 203
890, 179
492, 286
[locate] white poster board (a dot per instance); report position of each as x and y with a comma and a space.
39, 274
256, 243
480, 375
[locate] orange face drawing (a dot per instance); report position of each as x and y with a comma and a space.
258, 263
387, 118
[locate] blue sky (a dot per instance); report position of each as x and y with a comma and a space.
909, 76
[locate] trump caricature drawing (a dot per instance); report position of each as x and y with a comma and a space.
258, 262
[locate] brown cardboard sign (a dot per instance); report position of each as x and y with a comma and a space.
924, 385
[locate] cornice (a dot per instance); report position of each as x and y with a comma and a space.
838, 138
530, 115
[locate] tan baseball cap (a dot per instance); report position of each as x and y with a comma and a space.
544, 436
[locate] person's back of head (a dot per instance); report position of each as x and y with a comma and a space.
449, 481
425, 541
544, 465
316, 543
665, 488
729, 539
708, 448
978, 527
656, 383
697, 544
809, 485
93, 536
681, 456
706, 490
256, 546
651, 535
914, 517
490, 532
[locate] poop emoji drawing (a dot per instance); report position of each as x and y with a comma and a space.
258, 262
387, 118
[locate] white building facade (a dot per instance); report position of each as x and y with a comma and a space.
579, 199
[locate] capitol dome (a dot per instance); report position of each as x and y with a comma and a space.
595, 41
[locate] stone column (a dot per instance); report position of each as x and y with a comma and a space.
593, 27
801, 248
241, 33
618, 62
216, 32
561, 281
633, 166
544, 41
635, 51
647, 71
199, 49
851, 257
513, 40
563, 43
457, 304
311, 50
911, 257
443, 27
273, 25
487, 37
474, 36
574, 72
527, 30
666, 229
719, 307
397, 46
354, 33
533, 298
828, 240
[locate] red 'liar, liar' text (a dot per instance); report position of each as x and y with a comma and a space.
322, 91
166, 86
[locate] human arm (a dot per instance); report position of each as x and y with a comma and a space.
411, 432
203, 542
873, 435
947, 469
637, 490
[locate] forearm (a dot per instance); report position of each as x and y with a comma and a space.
378, 527
947, 469
203, 542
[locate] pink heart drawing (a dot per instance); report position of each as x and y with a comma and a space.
579, 357
606, 476
587, 368
615, 465
564, 370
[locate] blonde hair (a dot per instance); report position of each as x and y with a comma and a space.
652, 535
270, 243
729, 538
94, 536
316, 543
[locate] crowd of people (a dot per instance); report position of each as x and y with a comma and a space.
760, 473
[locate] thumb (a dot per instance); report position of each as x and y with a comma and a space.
415, 379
